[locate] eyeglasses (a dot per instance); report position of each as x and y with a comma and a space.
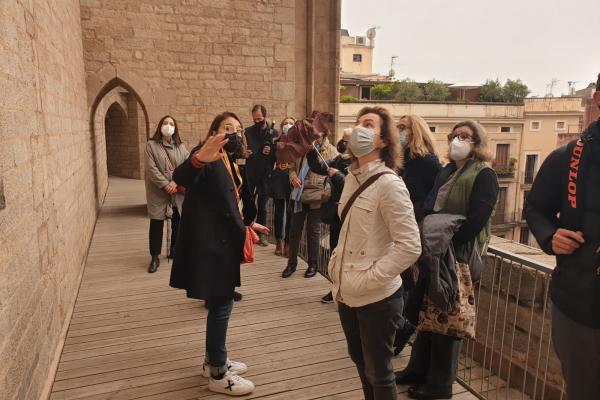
233, 129
402, 127
463, 137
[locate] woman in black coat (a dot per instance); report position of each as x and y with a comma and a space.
421, 166
211, 239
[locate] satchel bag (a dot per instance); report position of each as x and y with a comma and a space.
316, 193
460, 322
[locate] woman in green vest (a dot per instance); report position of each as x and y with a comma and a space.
466, 186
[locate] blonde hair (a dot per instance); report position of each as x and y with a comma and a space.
421, 141
480, 140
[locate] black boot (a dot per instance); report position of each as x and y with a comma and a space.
288, 271
171, 253
426, 393
406, 377
310, 272
154, 264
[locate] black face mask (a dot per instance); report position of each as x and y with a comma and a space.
234, 144
342, 145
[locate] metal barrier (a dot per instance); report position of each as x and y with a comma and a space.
511, 356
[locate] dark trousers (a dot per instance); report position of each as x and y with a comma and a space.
413, 297
217, 322
578, 349
435, 358
313, 219
369, 332
334, 234
281, 217
156, 233
261, 206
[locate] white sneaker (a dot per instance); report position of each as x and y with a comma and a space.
234, 367
231, 384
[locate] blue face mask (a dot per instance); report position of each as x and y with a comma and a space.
286, 128
403, 138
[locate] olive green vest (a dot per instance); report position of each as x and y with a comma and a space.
460, 193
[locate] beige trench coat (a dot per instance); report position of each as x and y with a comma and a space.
157, 176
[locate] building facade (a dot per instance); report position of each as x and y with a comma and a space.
89, 81
550, 122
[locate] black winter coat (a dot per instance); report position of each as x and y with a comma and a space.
575, 284
259, 165
212, 233
278, 184
419, 175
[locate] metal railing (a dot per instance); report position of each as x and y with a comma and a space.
511, 356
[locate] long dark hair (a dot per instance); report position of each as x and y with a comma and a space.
157, 137
214, 127
390, 154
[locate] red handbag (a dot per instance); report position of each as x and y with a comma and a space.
251, 240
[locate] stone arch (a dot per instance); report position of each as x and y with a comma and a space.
105, 89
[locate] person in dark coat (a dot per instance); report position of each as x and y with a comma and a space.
336, 171
421, 166
563, 212
279, 189
211, 242
260, 139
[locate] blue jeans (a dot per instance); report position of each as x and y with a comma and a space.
216, 335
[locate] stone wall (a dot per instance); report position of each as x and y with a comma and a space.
46, 168
196, 58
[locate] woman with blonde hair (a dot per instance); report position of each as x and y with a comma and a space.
421, 163
467, 187
421, 166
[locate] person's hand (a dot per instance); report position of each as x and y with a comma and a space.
247, 153
171, 188
565, 241
258, 228
332, 171
266, 150
211, 150
296, 182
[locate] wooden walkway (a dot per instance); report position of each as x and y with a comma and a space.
134, 337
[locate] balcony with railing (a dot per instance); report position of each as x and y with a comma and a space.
511, 356
506, 170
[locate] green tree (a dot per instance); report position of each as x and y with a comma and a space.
407, 90
348, 99
436, 91
515, 91
383, 91
492, 92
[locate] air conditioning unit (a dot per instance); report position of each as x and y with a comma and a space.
361, 40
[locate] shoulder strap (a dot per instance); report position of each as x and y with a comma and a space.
572, 214
358, 191
169, 162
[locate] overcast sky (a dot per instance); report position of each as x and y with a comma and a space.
471, 40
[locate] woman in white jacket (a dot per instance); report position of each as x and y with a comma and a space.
379, 239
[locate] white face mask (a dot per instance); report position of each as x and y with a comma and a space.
459, 150
361, 141
286, 128
167, 130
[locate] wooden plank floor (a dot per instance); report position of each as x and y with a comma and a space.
134, 337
